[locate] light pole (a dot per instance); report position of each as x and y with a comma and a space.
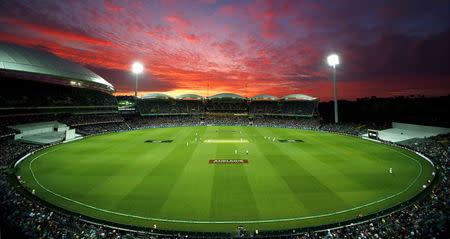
137, 69
333, 60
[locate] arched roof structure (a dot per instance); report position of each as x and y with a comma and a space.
299, 97
156, 96
189, 97
264, 97
227, 96
23, 60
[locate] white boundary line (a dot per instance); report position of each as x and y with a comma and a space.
21, 159
226, 222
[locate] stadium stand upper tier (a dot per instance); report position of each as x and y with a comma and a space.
38, 82
226, 103
161, 104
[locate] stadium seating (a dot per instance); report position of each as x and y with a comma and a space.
38, 94
154, 104
264, 107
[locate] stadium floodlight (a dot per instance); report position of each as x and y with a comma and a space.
333, 61
137, 68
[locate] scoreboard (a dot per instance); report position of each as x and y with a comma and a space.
373, 134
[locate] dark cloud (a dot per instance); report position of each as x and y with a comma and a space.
395, 54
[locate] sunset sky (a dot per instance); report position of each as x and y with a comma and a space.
387, 48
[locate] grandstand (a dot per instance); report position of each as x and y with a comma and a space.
290, 105
226, 103
190, 104
296, 105
49, 85
264, 104
156, 104
161, 104
38, 86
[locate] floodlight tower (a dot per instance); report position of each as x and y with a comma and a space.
137, 69
333, 60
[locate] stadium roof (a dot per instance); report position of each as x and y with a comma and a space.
227, 96
298, 97
264, 97
189, 97
26, 60
156, 96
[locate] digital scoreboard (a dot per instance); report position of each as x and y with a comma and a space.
373, 134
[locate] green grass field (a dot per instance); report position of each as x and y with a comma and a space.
327, 178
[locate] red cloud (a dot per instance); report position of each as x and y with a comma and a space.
272, 29
228, 48
110, 5
98, 59
160, 32
191, 37
228, 10
58, 33
178, 19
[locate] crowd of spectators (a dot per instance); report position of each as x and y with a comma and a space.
426, 218
5, 132
218, 106
69, 119
38, 94
162, 121
170, 106
38, 221
92, 129
10, 151
299, 107
6, 121
288, 122
264, 107
88, 119
190, 120
218, 120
